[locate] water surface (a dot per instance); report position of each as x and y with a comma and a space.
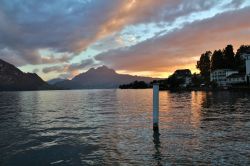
114, 127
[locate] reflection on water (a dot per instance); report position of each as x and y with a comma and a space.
157, 143
114, 127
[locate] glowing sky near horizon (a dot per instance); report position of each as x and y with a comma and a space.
62, 38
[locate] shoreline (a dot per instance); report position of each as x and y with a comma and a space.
242, 88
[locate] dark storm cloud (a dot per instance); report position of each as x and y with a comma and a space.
61, 25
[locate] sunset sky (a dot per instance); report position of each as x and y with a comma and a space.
62, 38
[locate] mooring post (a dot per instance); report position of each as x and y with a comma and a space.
156, 108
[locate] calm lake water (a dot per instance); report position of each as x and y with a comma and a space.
114, 127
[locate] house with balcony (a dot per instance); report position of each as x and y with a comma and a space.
220, 76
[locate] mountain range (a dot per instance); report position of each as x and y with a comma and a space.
13, 79
100, 78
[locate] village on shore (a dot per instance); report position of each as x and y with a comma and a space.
219, 70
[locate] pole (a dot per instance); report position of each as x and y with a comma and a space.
156, 108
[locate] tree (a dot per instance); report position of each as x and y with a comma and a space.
204, 64
174, 82
239, 60
196, 80
135, 85
217, 61
163, 84
228, 56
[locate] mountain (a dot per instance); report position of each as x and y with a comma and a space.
100, 78
55, 80
11, 79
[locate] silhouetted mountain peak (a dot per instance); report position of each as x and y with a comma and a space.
11, 78
103, 67
91, 70
101, 77
6, 67
101, 70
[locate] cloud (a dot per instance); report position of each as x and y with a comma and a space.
65, 76
82, 65
132, 12
71, 26
69, 68
66, 28
60, 25
35, 71
182, 46
57, 68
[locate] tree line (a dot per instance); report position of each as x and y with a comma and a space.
222, 59
135, 85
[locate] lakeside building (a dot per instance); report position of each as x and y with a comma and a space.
184, 74
226, 77
247, 60
236, 78
220, 76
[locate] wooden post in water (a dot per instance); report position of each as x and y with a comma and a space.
156, 108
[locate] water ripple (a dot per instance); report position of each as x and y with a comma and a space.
114, 127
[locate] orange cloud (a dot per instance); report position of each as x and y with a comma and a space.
126, 13
182, 48
129, 12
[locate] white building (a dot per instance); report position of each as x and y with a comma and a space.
224, 77
220, 76
247, 60
236, 79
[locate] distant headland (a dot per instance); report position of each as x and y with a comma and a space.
13, 79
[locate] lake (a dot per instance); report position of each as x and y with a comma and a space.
114, 127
